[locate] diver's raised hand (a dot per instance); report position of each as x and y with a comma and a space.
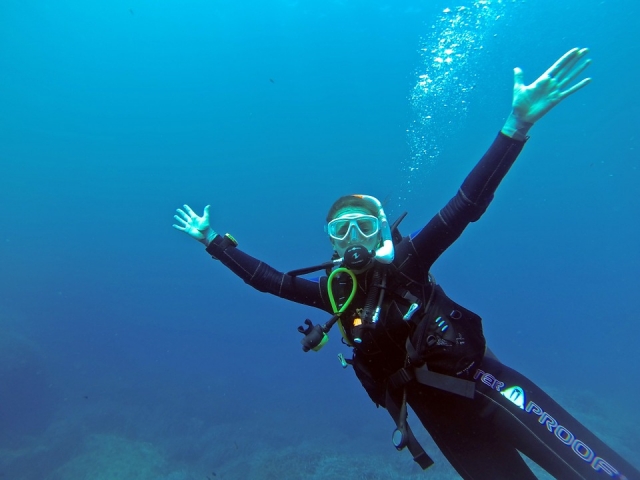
532, 102
194, 225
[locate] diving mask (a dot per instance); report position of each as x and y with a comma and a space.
352, 225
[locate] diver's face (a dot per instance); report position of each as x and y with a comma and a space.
354, 226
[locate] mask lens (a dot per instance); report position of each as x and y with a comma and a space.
339, 228
368, 225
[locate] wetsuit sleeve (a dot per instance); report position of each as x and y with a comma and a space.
264, 278
469, 203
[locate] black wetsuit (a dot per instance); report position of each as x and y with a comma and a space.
480, 436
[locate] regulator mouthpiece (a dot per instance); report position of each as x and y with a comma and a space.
357, 257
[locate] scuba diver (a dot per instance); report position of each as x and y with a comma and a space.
414, 346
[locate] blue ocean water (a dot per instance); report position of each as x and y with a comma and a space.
126, 352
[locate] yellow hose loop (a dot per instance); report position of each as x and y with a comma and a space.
336, 311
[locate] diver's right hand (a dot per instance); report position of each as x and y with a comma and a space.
195, 226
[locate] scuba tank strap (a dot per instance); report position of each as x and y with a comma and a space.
459, 386
403, 436
421, 374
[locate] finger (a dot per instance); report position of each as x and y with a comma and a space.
575, 73
180, 220
574, 63
575, 88
518, 78
569, 63
184, 217
189, 211
206, 212
562, 61
178, 227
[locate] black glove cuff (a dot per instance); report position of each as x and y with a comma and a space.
219, 244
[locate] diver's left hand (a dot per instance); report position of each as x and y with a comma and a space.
532, 102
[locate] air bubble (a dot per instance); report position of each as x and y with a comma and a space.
445, 78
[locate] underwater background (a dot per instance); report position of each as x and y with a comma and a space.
127, 353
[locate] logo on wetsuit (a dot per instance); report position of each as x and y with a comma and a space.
516, 395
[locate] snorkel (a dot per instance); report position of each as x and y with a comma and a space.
385, 253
